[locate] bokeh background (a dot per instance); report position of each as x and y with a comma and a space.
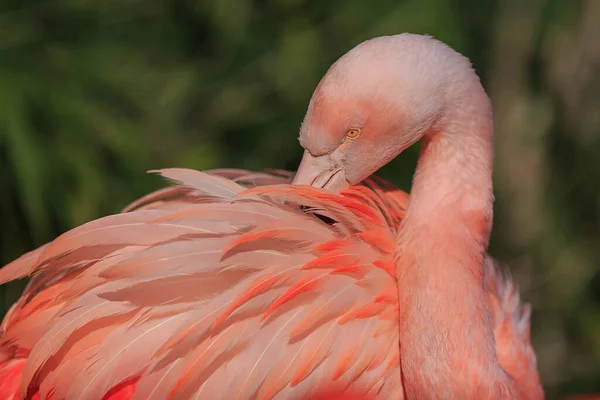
93, 94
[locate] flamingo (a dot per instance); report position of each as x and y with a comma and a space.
236, 284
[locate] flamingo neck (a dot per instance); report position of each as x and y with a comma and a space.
447, 347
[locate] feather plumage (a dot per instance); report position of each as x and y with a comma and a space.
218, 283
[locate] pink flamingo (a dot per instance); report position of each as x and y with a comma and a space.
214, 290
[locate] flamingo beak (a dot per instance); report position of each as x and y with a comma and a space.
322, 172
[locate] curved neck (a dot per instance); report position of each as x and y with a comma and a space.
447, 347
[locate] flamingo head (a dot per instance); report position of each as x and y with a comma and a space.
373, 103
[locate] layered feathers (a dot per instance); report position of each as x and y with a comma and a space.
224, 286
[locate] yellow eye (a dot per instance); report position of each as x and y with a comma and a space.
353, 133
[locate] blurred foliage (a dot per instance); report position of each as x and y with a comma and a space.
92, 94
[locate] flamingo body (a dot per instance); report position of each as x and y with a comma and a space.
215, 290
140, 303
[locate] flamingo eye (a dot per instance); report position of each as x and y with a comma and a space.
353, 133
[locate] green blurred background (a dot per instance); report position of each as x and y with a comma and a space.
93, 94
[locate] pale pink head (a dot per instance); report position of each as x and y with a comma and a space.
373, 103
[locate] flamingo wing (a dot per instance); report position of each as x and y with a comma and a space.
511, 321
46, 286
249, 288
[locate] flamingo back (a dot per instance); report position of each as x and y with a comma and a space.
279, 290
229, 276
